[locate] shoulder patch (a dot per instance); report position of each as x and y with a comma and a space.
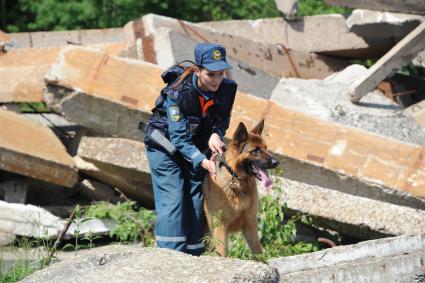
174, 112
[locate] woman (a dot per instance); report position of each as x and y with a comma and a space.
187, 126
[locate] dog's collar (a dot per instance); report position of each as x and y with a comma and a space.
223, 162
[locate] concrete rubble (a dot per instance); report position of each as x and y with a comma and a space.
358, 217
398, 259
121, 163
30, 149
357, 168
121, 263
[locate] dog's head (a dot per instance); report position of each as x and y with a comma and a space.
251, 154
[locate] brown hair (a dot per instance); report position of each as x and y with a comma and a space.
188, 71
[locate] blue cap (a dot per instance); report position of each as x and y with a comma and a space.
211, 56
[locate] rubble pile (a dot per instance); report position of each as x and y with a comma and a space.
351, 139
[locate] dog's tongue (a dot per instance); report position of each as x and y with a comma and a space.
265, 179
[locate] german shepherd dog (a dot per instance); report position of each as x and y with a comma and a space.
231, 201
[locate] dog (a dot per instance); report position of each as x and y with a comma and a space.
231, 200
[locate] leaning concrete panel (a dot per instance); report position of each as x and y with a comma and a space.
309, 34
44, 39
126, 159
383, 260
405, 6
275, 59
22, 71
401, 54
30, 149
358, 217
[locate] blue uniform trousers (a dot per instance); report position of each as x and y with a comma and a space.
178, 201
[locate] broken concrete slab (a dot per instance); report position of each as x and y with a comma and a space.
383, 260
418, 112
30, 149
309, 34
325, 100
22, 71
406, 6
125, 88
275, 59
119, 263
402, 53
357, 217
376, 24
122, 163
45, 39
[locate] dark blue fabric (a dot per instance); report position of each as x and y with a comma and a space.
211, 56
178, 202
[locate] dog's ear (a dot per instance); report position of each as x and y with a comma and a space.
258, 130
241, 134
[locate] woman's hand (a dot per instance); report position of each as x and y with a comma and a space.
209, 165
215, 144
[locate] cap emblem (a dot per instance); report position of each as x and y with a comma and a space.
217, 55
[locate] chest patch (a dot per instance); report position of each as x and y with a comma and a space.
175, 115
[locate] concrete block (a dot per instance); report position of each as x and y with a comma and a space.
122, 160
383, 260
45, 39
100, 84
358, 217
406, 6
309, 34
325, 100
30, 149
402, 53
90, 227
376, 24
